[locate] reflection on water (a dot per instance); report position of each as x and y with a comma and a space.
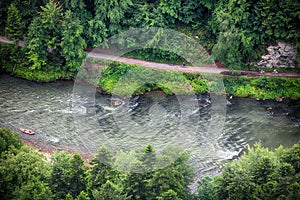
213, 134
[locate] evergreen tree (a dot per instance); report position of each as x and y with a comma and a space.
14, 25
60, 175
44, 37
37, 45
135, 182
206, 190
68, 175
168, 195
109, 191
29, 10
235, 44
147, 14
79, 10
260, 174
9, 140
24, 175
72, 44
174, 179
96, 33
4, 4
148, 158
112, 13
101, 170
77, 172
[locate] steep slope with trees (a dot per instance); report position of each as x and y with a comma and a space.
258, 174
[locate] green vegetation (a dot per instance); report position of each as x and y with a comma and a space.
258, 174
235, 32
14, 27
263, 87
244, 28
54, 39
156, 55
23, 172
126, 80
26, 174
16, 62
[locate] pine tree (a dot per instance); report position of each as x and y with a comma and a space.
68, 175
78, 8
77, 172
101, 170
112, 13
72, 44
24, 175
96, 32
14, 25
148, 158
44, 37
109, 191
173, 180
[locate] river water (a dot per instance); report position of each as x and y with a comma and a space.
213, 133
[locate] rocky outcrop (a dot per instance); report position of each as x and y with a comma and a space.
281, 55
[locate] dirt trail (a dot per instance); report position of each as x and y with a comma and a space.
210, 69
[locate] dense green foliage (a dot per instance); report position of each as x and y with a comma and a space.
127, 80
23, 172
259, 174
235, 32
54, 43
8, 140
16, 62
54, 40
244, 28
114, 80
263, 87
14, 27
27, 174
68, 175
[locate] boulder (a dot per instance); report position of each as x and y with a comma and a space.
281, 55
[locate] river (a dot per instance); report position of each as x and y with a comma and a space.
153, 118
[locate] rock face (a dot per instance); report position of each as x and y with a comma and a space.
282, 55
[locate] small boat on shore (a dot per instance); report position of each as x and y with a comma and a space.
26, 131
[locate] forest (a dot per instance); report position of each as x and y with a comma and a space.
260, 173
235, 32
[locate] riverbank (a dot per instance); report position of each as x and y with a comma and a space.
114, 80
212, 68
51, 116
48, 150
158, 76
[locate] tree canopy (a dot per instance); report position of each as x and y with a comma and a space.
258, 174
236, 32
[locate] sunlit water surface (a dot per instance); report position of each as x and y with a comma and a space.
154, 118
